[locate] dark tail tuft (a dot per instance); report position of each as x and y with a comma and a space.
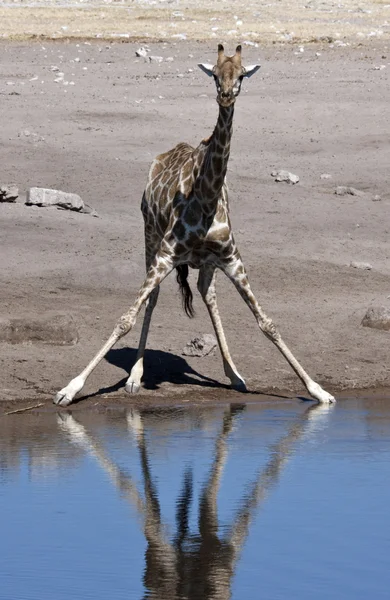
182, 276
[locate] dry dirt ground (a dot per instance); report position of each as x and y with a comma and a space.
324, 110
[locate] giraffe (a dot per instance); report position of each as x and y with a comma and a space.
202, 563
186, 216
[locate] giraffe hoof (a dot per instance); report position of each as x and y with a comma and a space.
65, 396
62, 399
239, 385
132, 387
319, 394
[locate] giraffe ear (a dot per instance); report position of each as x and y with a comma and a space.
251, 70
208, 69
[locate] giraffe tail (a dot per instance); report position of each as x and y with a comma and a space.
182, 276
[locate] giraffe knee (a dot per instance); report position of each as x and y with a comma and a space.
123, 326
268, 327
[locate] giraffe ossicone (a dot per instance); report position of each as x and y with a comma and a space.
186, 215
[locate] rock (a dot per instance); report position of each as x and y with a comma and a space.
141, 52
156, 59
46, 197
8, 193
360, 265
88, 210
58, 330
376, 198
377, 317
326, 176
285, 176
343, 190
200, 346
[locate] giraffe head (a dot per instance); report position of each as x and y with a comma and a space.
228, 74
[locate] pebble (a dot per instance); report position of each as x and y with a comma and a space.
141, 52
360, 265
200, 346
285, 176
8, 193
377, 317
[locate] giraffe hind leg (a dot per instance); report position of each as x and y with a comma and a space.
235, 270
206, 287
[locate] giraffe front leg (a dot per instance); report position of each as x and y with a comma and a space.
162, 265
133, 384
206, 287
235, 270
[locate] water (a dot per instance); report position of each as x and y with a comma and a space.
281, 500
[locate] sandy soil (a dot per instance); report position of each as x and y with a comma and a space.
324, 110
266, 22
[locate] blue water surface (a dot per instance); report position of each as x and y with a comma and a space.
274, 500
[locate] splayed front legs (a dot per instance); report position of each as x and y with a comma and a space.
160, 268
235, 270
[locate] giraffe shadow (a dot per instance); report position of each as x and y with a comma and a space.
161, 367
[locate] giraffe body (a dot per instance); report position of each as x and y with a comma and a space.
175, 216
186, 215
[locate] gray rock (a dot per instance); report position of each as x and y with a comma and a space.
326, 176
343, 190
200, 345
156, 59
88, 210
58, 330
46, 197
8, 193
376, 198
141, 52
285, 176
360, 265
377, 317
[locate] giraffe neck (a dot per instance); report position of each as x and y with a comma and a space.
212, 172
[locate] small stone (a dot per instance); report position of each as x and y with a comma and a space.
377, 317
343, 190
326, 176
156, 59
285, 176
8, 193
360, 265
200, 345
141, 52
376, 198
46, 197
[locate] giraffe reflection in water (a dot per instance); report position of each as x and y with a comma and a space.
194, 566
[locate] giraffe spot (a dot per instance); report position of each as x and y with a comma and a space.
193, 213
217, 163
180, 249
179, 230
193, 240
